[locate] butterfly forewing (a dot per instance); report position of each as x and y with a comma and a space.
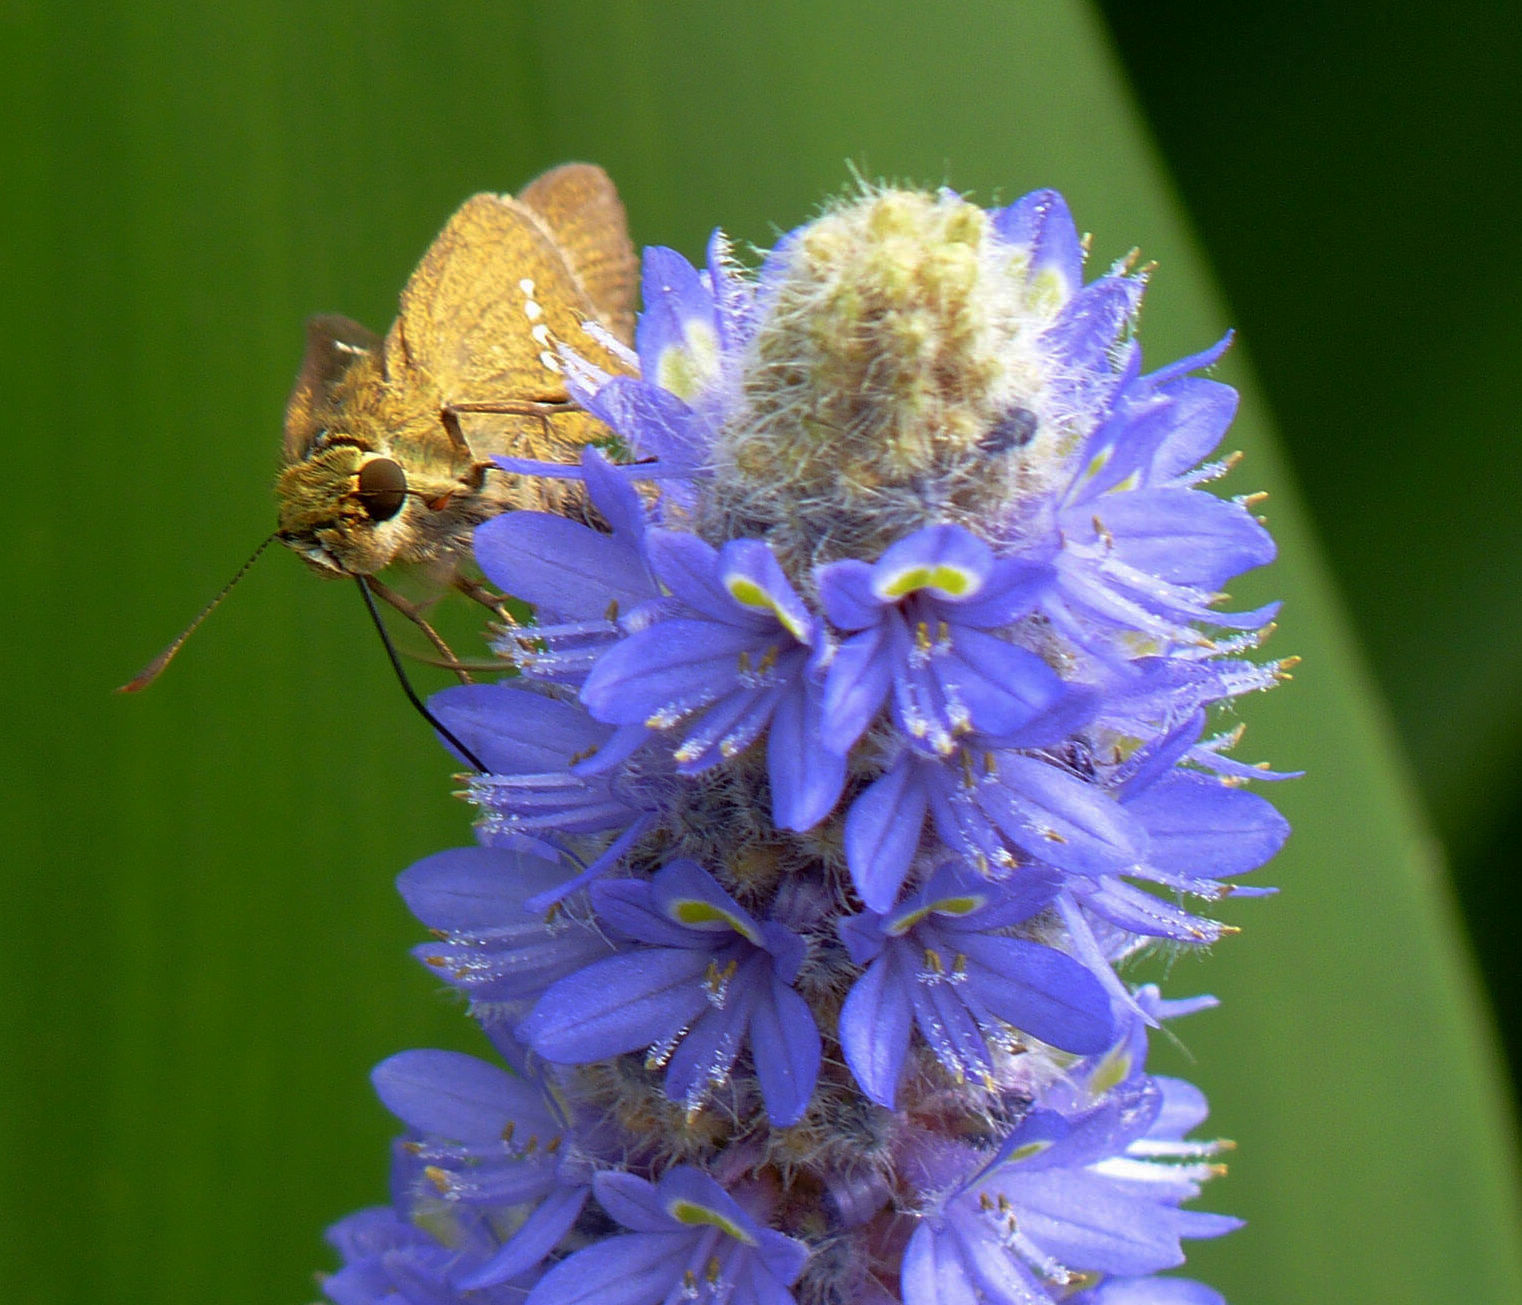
586, 219
483, 314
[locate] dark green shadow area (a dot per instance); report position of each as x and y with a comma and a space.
1353, 173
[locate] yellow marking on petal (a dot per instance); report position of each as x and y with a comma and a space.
950, 580
686, 369
1027, 1151
438, 1177
695, 1215
696, 912
748, 593
1112, 1070
1048, 291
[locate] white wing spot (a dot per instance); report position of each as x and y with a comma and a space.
541, 334
549, 360
532, 311
527, 286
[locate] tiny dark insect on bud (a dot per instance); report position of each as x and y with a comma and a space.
1014, 430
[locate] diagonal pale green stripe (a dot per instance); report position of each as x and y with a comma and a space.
202, 951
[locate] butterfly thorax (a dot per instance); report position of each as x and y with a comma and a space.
380, 480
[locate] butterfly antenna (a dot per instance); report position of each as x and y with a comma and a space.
155, 668
401, 675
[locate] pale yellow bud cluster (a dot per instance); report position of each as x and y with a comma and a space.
895, 336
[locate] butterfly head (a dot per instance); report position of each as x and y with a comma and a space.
344, 508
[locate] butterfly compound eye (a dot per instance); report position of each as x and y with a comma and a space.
382, 488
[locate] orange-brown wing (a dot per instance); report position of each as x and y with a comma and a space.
334, 344
482, 315
579, 204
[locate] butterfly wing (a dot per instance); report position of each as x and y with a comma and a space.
586, 219
482, 315
334, 345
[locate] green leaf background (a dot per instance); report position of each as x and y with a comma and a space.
202, 950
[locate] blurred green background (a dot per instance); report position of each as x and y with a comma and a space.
202, 952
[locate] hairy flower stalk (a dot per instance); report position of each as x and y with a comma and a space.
861, 737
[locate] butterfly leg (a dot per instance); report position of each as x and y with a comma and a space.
414, 613
449, 414
480, 592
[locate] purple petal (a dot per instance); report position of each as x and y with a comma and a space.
947, 561
999, 1274
1183, 536
1201, 827
654, 423
1092, 321
783, 1257
634, 1202
625, 907
673, 667
535, 1238
1042, 221
693, 1199
962, 899
474, 888
1141, 912
614, 495
1202, 412
679, 312
1167, 376
689, 567
1039, 990
560, 566
882, 835
857, 682
1004, 687
1150, 1291
1009, 591
634, 1269
1184, 1108
757, 585
1087, 1221
517, 731
616, 1005
807, 773
845, 589
946, 1024
874, 1029
786, 1047
933, 1273
734, 296
685, 892
1061, 819
706, 1054
451, 1095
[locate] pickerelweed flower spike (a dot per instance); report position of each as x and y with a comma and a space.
861, 736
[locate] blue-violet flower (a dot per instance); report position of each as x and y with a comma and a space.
859, 739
